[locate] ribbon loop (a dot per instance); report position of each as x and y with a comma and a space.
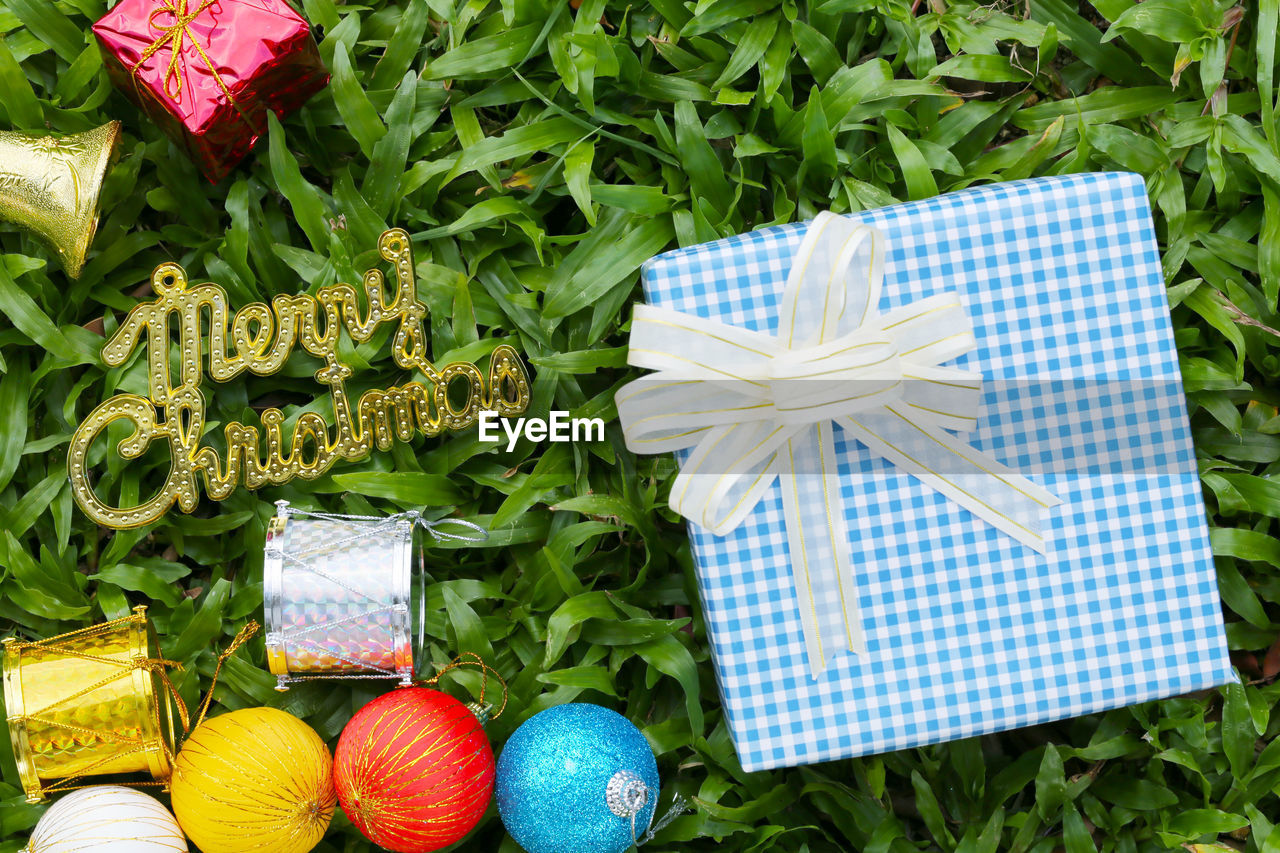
174, 36
474, 532
752, 408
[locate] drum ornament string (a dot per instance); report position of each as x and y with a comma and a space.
250, 628
389, 521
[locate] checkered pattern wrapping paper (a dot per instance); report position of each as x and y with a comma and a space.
968, 631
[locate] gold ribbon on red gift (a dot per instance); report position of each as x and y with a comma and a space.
173, 35
754, 408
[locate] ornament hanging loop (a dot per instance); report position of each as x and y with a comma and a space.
245, 633
679, 806
627, 795
482, 709
434, 528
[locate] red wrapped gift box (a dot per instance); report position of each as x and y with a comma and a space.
207, 71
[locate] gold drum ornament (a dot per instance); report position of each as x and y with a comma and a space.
88, 703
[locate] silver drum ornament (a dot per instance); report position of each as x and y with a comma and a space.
343, 595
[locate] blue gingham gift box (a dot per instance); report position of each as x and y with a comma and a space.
964, 629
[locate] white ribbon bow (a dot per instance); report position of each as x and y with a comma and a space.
754, 408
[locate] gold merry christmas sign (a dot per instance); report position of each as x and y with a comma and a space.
261, 338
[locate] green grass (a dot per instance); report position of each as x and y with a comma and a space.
539, 153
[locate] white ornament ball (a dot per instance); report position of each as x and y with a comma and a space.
107, 819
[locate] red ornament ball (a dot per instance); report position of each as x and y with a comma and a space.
414, 770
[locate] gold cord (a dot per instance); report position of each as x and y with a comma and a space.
250, 628
173, 36
472, 659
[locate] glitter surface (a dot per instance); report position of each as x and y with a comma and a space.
553, 780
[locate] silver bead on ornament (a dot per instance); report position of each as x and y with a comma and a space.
626, 794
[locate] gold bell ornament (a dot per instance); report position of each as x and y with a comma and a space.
50, 184
89, 703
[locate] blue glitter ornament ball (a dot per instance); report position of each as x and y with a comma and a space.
570, 778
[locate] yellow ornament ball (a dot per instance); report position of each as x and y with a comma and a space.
255, 779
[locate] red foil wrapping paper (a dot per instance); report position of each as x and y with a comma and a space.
207, 72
